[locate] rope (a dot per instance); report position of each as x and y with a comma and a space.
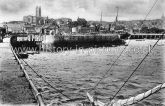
36, 93
129, 101
144, 57
138, 98
149, 12
122, 51
137, 67
45, 80
109, 68
151, 9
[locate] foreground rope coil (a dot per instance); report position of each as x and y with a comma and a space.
129, 101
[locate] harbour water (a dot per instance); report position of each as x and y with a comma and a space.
75, 72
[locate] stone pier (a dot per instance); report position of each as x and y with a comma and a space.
14, 88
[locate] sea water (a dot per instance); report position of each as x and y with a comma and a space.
75, 72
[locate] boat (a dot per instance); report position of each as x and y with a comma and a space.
140, 39
25, 44
22, 55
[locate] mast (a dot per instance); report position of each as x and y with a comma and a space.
116, 20
117, 14
100, 22
101, 18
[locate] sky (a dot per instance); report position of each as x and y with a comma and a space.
89, 9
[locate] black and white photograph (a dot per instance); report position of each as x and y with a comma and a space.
82, 52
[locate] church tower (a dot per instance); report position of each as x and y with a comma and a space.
38, 15
38, 11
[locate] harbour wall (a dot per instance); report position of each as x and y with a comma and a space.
146, 36
83, 40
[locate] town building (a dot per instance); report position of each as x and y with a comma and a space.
35, 20
38, 11
14, 26
30, 19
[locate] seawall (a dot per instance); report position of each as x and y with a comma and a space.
82, 40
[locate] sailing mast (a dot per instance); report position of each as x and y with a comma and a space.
117, 14
101, 18
116, 19
100, 22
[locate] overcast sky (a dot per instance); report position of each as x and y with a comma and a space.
89, 9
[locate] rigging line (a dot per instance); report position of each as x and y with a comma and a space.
147, 53
137, 66
149, 12
45, 80
110, 68
123, 50
151, 9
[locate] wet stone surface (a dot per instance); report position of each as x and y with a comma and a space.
14, 89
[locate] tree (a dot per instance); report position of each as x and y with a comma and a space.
119, 27
155, 30
74, 24
144, 29
82, 22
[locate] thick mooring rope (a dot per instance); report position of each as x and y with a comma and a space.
137, 66
142, 59
129, 101
103, 77
137, 98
